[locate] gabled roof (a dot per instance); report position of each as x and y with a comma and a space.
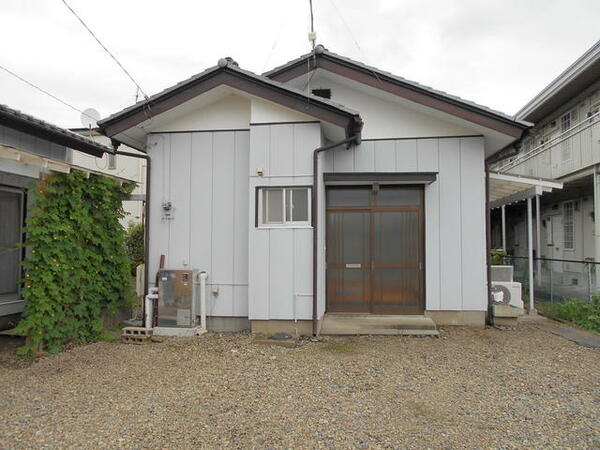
227, 72
25, 123
578, 76
322, 58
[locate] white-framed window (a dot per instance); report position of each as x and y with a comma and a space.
569, 225
283, 206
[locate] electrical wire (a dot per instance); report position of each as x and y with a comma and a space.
29, 83
44, 91
277, 36
106, 49
339, 13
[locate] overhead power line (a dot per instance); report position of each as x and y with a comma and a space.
106, 50
365, 59
43, 91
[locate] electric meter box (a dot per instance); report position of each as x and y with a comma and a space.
176, 298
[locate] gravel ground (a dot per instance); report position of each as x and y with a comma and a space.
468, 389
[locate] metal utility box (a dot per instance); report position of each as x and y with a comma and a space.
176, 295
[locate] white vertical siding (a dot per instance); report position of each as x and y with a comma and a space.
472, 178
450, 232
428, 161
180, 176
280, 259
204, 176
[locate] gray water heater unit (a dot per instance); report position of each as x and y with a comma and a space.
176, 295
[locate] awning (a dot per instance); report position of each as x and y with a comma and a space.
506, 189
49, 164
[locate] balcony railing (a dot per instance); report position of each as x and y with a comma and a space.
571, 150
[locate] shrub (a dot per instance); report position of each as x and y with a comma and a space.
498, 257
581, 313
134, 244
76, 266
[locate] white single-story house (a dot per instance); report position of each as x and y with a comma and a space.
393, 224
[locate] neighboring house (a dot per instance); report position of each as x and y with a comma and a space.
29, 147
133, 169
399, 210
564, 145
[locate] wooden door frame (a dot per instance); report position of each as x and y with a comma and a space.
371, 209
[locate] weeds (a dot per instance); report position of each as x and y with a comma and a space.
583, 314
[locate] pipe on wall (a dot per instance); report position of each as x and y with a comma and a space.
354, 139
146, 214
488, 242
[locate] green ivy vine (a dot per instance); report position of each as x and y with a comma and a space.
76, 266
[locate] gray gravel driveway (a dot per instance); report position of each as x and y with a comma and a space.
470, 388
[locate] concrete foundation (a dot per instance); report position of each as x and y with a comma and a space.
465, 318
227, 324
304, 327
377, 324
270, 327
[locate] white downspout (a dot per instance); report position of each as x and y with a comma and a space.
504, 227
530, 255
149, 310
203, 277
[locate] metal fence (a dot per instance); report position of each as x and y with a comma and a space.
557, 279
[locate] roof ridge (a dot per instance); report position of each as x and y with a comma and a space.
227, 64
321, 51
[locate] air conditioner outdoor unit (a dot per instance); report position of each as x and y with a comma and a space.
507, 293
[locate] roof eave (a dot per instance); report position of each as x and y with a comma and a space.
577, 69
237, 79
312, 61
43, 130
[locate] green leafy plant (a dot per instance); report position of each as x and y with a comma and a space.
579, 312
134, 243
498, 257
76, 266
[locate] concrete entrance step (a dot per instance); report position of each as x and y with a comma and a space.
373, 324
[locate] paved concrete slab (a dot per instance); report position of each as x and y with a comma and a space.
577, 335
374, 324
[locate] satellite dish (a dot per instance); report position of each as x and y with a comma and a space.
90, 118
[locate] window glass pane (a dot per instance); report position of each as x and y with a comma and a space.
398, 196
349, 196
273, 206
299, 204
10, 238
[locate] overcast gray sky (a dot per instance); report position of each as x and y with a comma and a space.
497, 53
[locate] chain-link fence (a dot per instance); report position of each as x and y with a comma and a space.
557, 279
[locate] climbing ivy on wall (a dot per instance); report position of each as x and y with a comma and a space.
77, 266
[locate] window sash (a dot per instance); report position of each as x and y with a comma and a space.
286, 212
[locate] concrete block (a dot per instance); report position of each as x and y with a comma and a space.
507, 311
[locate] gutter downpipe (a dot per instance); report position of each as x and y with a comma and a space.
146, 215
355, 138
488, 242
